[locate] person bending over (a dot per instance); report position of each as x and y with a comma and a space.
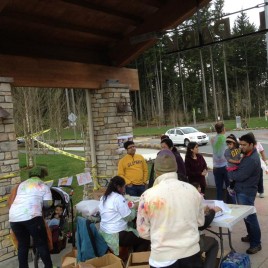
25, 216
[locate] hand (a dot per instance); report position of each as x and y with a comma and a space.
206, 209
204, 173
217, 209
266, 162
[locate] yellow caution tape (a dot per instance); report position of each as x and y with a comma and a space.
34, 135
9, 176
4, 198
60, 151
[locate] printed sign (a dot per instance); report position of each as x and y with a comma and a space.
83, 178
65, 181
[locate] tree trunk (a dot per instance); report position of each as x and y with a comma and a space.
204, 85
213, 86
226, 83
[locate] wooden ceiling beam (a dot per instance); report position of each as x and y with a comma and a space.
43, 73
175, 13
153, 3
57, 24
17, 45
3, 4
130, 18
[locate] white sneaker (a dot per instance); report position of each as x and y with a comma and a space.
261, 195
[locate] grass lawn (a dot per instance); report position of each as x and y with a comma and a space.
59, 166
254, 122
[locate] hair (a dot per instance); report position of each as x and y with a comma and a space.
233, 137
219, 127
54, 213
58, 206
40, 172
127, 143
196, 184
190, 147
170, 144
249, 138
164, 137
251, 133
112, 186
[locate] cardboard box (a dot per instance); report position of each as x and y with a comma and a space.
97, 194
138, 260
69, 260
106, 261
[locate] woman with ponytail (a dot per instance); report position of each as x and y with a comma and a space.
115, 216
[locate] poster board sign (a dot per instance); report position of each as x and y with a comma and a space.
65, 181
83, 178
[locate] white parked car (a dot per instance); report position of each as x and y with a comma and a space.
183, 135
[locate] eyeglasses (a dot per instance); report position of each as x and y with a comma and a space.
131, 147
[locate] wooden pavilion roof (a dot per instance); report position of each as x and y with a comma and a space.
89, 31
98, 32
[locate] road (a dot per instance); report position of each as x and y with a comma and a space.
261, 136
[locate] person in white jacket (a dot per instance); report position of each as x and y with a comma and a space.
169, 215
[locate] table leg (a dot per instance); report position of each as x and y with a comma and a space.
230, 241
221, 246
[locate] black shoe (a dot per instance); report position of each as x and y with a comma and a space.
254, 250
245, 239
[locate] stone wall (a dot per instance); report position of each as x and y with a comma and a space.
108, 125
9, 166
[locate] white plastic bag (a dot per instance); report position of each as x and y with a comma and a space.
88, 207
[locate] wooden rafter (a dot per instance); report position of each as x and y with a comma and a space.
130, 18
153, 3
176, 12
58, 24
3, 4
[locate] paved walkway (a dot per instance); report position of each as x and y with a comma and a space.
259, 260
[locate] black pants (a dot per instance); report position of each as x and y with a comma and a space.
129, 239
189, 262
210, 246
37, 230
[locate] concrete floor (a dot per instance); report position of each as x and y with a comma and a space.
259, 260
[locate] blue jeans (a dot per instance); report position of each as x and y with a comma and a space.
260, 184
220, 177
251, 221
37, 230
135, 190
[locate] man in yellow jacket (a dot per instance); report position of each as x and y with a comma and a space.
133, 168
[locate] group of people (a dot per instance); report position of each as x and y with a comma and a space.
169, 218
239, 167
171, 214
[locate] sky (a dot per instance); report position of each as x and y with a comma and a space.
236, 5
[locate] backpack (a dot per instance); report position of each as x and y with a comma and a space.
90, 243
236, 260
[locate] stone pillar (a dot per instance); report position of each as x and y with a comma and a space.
9, 166
108, 125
